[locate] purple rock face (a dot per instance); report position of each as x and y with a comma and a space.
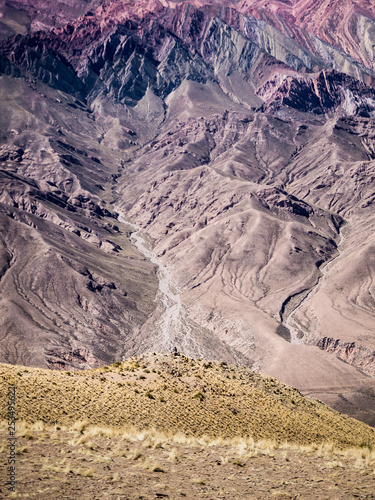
192, 175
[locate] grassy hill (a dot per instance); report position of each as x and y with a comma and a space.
174, 394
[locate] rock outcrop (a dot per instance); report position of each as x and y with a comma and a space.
361, 357
323, 93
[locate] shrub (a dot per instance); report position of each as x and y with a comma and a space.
199, 396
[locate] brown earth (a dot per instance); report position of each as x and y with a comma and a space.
93, 463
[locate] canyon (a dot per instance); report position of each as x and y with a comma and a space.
197, 175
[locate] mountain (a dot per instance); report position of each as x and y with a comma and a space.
197, 175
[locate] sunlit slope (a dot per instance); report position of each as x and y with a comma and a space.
176, 394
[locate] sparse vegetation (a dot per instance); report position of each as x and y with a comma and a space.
82, 459
249, 405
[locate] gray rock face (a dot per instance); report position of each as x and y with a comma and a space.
322, 93
243, 149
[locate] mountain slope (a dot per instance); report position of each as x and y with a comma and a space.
163, 425
242, 147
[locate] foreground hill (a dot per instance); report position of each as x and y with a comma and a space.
175, 394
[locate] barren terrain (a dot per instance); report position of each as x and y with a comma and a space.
239, 139
98, 462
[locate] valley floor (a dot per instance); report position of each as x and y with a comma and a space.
93, 463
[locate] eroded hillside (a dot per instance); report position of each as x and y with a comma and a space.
239, 141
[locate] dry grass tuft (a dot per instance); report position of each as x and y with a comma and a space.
80, 426
22, 450
151, 466
174, 456
136, 455
198, 480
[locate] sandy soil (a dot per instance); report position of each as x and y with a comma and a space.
69, 465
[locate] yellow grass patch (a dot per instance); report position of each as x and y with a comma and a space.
192, 401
